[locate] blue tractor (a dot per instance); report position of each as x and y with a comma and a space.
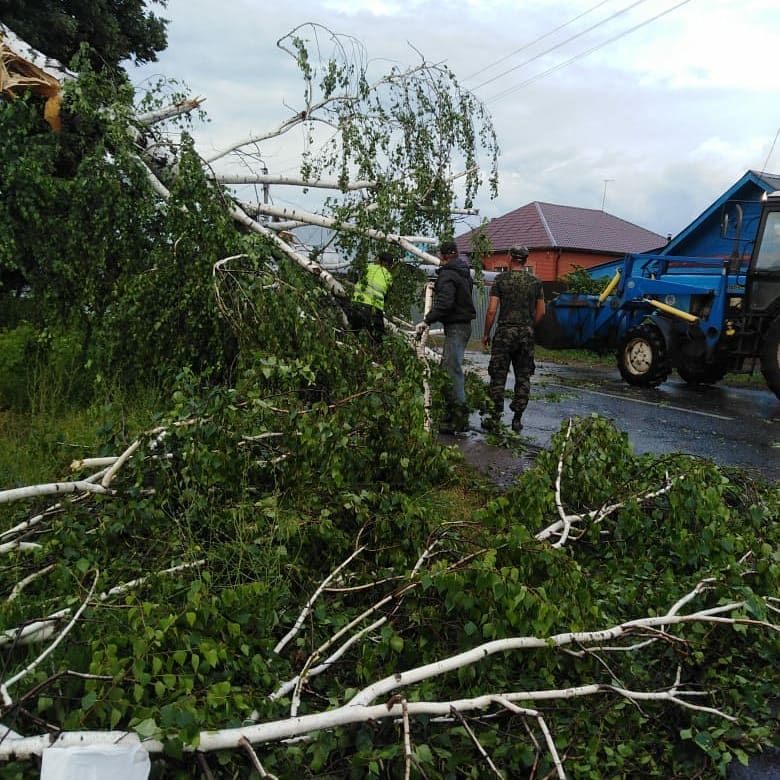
704, 317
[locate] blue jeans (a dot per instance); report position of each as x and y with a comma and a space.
456, 337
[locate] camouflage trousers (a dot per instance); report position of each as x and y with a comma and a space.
512, 345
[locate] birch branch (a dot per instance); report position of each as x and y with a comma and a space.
565, 519
281, 129
18, 545
7, 701
40, 630
314, 268
91, 463
310, 603
119, 462
477, 743
26, 525
310, 671
8, 734
247, 745
23, 583
386, 686
407, 741
566, 522
292, 181
292, 684
542, 725
31, 522
319, 220
349, 714
420, 350
325, 646
168, 112
310, 111
52, 488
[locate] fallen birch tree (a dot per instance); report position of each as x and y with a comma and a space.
286, 570
364, 602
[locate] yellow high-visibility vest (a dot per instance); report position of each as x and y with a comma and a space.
373, 287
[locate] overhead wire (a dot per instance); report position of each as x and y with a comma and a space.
535, 41
585, 53
771, 152
559, 45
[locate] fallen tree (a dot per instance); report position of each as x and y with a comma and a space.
214, 654
285, 574
395, 149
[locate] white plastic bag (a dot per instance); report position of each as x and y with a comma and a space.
96, 762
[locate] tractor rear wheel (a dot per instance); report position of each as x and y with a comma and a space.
642, 358
770, 357
702, 373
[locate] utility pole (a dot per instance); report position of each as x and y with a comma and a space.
266, 186
604, 196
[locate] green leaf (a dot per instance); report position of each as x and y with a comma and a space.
147, 729
423, 754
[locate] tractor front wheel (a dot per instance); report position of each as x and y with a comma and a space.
770, 357
642, 358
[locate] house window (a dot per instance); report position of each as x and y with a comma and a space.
501, 268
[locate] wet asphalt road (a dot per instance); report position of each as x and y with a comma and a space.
732, 426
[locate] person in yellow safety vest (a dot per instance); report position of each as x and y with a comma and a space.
366, 311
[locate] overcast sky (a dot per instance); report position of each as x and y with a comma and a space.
653, 123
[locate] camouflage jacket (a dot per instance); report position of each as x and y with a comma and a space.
517, 292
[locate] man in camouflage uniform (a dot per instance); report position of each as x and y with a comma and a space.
517, 296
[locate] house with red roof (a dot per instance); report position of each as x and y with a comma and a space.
561, 237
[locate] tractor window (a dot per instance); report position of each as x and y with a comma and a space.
768, 258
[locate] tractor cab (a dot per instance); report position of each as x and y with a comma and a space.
763, 283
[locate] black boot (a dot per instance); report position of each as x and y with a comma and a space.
517, 425
460, 418
490, 424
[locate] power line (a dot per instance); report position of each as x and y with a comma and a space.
585, 53
536, 40
558, 45
771, 150
604, 197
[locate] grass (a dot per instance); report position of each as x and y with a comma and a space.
39, 446
575, 357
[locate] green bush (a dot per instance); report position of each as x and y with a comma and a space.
18, 349
43, 371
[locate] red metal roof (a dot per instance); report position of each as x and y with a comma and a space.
544, 225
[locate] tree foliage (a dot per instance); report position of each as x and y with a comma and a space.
276, 482
578, 280
115, 31
141, 278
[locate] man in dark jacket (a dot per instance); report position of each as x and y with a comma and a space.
454, 308
517, 296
